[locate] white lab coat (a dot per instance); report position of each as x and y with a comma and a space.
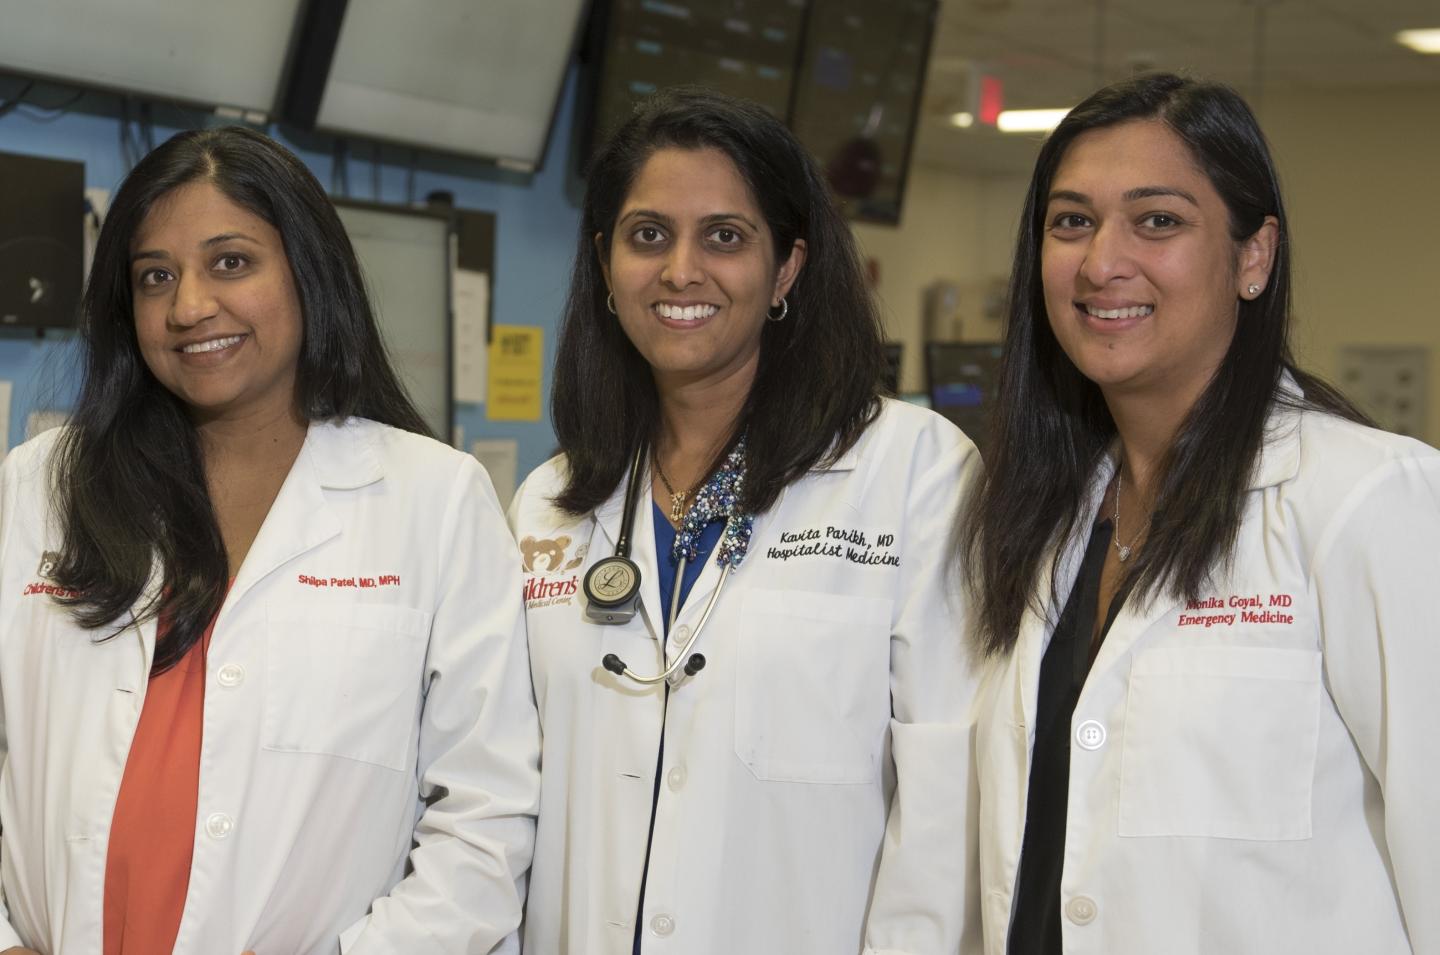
835, 698
341, 723
1257, 773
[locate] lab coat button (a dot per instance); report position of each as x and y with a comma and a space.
1081, 910
680, 635
231, 674
219, 825
662, 925
1090, 735
675, 779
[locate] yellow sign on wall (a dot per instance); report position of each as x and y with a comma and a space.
516, 368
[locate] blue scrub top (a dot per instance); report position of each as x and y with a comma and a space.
664, 540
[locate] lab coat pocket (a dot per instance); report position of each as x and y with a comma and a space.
344, 681
1220, 742
812, 686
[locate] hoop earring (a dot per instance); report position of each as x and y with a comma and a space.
784, 310
610, 303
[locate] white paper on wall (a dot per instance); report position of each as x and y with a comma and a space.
5, 388
500, 457
471, 306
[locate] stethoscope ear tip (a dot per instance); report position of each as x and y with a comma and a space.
695, 664
614, 664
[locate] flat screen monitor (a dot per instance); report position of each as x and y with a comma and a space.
740, 47
405, 255
857, 97
209, 52
961, 380
42, 216
476, 79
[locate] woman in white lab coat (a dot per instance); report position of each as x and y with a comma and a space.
262, 663
1204, 584
806, 791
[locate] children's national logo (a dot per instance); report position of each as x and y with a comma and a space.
544, 561
46, 571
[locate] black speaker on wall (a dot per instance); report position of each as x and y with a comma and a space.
42, 216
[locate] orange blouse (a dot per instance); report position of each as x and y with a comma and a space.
152, 835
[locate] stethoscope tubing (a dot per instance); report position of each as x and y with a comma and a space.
692, 664
684, 655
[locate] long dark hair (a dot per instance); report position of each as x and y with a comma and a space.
819, 369
1051, 425
129, 477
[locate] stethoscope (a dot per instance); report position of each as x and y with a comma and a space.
612, 592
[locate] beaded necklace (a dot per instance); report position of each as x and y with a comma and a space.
718, 497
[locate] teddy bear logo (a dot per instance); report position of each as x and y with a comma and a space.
547, 555
48, 560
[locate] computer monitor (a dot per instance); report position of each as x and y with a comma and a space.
961, 379
740, 47
42, 216
857, 97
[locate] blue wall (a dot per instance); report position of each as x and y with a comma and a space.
535, 239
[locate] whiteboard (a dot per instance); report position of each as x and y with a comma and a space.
406, 257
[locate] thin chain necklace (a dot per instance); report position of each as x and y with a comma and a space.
677, 498
1123, 550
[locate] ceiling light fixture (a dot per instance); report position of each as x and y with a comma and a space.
1030, 120
1421, 41
963, 120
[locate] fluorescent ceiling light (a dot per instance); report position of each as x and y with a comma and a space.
963, 120
1421, 41
1030, 120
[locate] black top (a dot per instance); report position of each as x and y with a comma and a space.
1035, 929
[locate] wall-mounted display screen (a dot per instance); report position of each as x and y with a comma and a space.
858, 97
961, 379
210, 52
42, 215
845, 75
743, 47
478, 79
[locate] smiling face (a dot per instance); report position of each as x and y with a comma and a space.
1141, 275
216, 312
692, 267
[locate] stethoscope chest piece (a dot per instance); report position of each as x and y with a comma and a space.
612, 590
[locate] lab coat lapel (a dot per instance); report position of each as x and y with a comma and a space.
1035, 629
334, 456
1029, 651
146, 631
1280, 455
1129, 625
1279, 461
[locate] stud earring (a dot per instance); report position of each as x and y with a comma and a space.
610, 303
784, 310
1254, 289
